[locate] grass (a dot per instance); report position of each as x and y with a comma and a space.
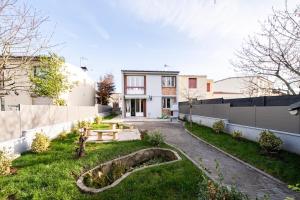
53, 174
112, 115
284, 166
101, 126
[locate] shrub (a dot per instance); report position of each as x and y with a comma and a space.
269, 142
98, 120
237, 135
5, 164
63, 135
218, 126
40, 143
155, 138
60, 102
144, 135
83, 124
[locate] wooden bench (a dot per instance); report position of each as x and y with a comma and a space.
100, 133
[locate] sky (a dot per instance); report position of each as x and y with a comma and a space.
197, 37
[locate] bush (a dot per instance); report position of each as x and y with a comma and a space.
60, 102
269, 142
5, 164
237, 135
63, 135
218, 126
83, 124
155, 138
40, 143
98, 120
144, 135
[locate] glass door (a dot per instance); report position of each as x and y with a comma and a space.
132, 107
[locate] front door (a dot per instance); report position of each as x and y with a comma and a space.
132, 107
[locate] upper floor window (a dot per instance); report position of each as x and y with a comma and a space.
168, 81
135, 81
208, 87
135, 85
192, 82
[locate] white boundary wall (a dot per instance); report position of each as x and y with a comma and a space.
291, 141
18, 128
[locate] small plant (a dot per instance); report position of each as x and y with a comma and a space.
83, 124
60, 102
269, 142
80, 150
98, 120
40, 143
218, 126
237, 135
144, 135
63, 135
155, 138
295, 187
210, 190
5, 164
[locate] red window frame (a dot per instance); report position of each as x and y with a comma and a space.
208, 87
192, 82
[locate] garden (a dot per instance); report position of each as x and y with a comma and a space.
266, 155
52, 168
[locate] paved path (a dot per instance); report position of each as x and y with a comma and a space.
246, 179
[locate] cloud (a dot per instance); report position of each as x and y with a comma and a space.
100, 30
200, 18
71, 35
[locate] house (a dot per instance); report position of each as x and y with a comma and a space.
81, 94
243, 86
148, 94
194, 86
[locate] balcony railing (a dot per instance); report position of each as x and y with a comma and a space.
135, 90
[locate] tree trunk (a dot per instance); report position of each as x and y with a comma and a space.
191, 123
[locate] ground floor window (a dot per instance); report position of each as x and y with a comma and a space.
167, 102
135, 107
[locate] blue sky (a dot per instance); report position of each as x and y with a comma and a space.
193, 36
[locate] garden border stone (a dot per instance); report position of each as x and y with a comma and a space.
87, 189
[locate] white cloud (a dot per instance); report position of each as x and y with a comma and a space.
100, 30
201, 18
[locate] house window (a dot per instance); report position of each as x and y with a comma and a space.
2, 80
135, 84
192, 82
167, 102
2, 103
39, 72
208, 87
168, 81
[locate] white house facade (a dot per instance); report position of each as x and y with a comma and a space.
148, 94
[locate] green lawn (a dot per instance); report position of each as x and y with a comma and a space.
112, 115
285, 166
52, 175
101, 126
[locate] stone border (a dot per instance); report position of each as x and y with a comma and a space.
84, 188
237, 159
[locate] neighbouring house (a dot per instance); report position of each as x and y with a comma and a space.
149, 94
194, 86
81, 94
244, 86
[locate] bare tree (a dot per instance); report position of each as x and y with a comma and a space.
274, 52
190, 96
21, 41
